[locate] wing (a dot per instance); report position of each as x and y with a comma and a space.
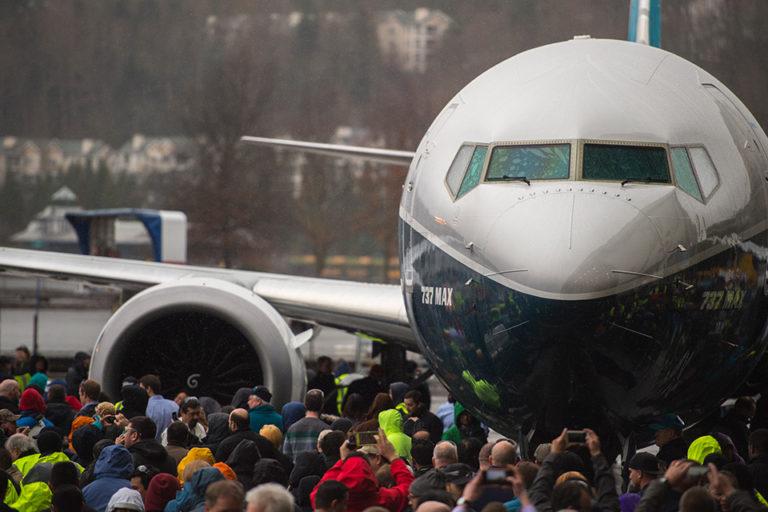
374, 309
385, 156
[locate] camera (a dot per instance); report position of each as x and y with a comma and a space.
108, 420
496, 476
576, 436
695, 473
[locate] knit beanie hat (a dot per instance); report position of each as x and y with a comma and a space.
162, 489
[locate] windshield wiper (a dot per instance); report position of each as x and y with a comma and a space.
517, 178
646, 180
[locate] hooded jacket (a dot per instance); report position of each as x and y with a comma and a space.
292, 412
262, 415
112, 472
61, 415
126, 499
35, 494
196, 453
135, 401
240, 398
457, 432
149, 452
703, 446
162, 489
306, 464
218, 430
243, 458
193, 493
364, 491
391, 422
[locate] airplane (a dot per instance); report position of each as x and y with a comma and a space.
583, 243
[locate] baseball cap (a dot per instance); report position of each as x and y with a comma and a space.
645, 462
457, 473
7, 416
668, 421
263, 393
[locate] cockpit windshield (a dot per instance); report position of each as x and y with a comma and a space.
533, 162
614, 162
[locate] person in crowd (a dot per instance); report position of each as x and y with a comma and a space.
242, 461
34, 493
368, 387
419, 417
218, 430
178, 440
195, 453
421, 456
38, 364
160, 410
735, 424
457, 476
140, 479
445, 412
224, 496
139, 438
39, 381
355, 409
274, 434
135, 400
269, 498
503, 454
570, 493
125, 500
32, 411
210, 405
301, 494
291, 413
162, 489
83, 441
302, 435
397, 391
58, 411
331, 496
113, 470
323, 379
191, 413
306, 464
260, 411
668, 434
240, 398
49, 444
67, 498
22, 371
269, 471
541, 452
86, 477
192, 494
469, 452
354, 470
9, 395
391, 422
90, 392
7, 425
239, 426
78, 372
701, 447
329, 447
464, 425
758, 459
644, 468
381, 402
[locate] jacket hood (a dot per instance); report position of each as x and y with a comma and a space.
240, 399
267, 471
242, 459
196, 453
162, 489
218, 428
150, 450
126, 499
306, 464
703, 446
39, 380
398, 391
135, 401
292, 412
114, 461
31, 401
391, 421
363, 487
83, 440
193, 492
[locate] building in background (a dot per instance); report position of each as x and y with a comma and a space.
143, 155
411, 37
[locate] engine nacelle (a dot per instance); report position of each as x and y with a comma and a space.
206, 336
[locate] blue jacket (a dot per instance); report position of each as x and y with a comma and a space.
192, 495
112, 471
264, 415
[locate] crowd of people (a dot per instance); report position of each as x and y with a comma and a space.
374, 447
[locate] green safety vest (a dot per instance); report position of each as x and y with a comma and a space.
341, 391
22, 380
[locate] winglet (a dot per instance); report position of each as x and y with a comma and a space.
645, 22
302, 338
385, 156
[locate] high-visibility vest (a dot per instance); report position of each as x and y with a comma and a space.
341, 391
22, 380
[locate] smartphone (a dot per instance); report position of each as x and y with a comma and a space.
496, 476
108, 420
352, 442
576, 437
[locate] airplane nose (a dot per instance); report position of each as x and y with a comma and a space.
573, 246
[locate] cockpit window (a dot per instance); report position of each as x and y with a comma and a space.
534, 162
614, 162
684, 176
705, 170
456, 172
475, 170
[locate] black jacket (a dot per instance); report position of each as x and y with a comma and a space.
540, 492
61, 415
151, 453
425, 421
673, 450
759, 469
11, 405
266, 448
735, 427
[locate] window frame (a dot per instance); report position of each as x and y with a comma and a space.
542, 142
608, 142
455, 197
688, 147
685, 147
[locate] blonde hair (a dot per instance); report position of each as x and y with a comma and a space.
570, 475
272, 433
192, 468
105, 409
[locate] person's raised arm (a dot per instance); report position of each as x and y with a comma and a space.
605, 483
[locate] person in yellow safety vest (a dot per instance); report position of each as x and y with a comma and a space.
23, 454
21, 370
341, 373
397, 391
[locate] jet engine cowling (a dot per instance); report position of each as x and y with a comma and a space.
207, 337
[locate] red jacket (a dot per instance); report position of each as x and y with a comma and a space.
364, 490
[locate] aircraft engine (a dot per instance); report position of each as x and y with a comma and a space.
207, 337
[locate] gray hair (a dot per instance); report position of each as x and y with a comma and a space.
445, 451
270, 498
19, 443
